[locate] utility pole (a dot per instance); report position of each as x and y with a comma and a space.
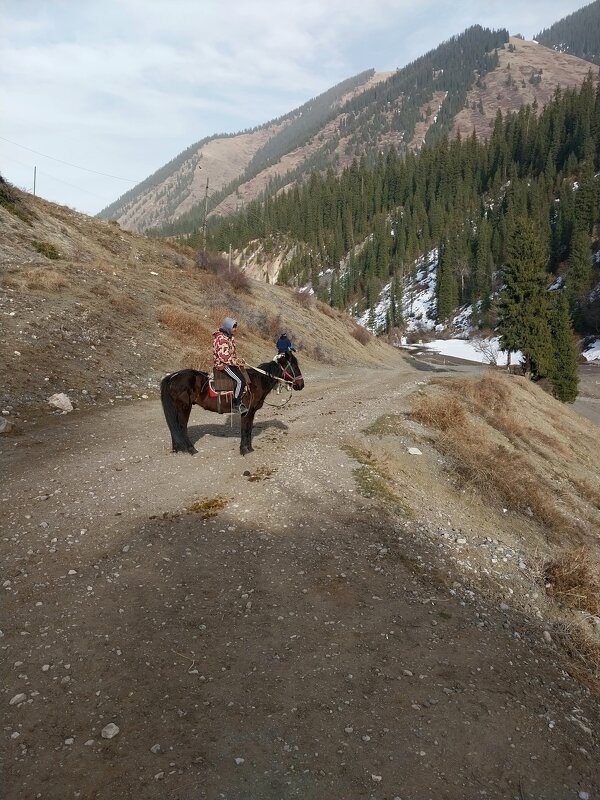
34, 177
205, 215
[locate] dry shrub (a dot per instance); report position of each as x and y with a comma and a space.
185, 326
122, 303
238, 280
215, 263
305, 299
46, 279
361, 334
573, 579
330, 312
46, 249
275, 326
183, 249
440, 413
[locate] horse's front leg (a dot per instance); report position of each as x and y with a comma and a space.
184, 416
246, 432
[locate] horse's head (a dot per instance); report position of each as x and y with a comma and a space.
290, 369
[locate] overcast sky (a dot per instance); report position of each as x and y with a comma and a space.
121, 87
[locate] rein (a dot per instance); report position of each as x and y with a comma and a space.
262, 372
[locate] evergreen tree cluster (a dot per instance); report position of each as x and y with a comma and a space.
506, 215
578, 34
370, 224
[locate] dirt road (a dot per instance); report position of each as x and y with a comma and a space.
301, 643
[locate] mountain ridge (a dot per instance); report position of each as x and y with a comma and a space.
358, 117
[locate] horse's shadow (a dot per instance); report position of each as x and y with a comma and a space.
228, 431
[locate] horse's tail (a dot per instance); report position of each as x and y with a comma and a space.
178, 437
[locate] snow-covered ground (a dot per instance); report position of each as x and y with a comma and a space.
419, 311
482, 351
593, 352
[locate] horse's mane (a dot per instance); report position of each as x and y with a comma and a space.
269, 367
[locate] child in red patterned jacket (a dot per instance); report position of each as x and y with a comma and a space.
226, 360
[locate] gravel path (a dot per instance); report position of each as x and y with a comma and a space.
301, 643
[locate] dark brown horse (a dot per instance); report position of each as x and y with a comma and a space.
181, 390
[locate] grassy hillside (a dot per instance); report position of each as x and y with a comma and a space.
102, 314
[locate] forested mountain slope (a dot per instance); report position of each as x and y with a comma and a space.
457, 87
577, 34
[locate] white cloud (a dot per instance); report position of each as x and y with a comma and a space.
122, 86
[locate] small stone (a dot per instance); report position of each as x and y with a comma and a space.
61, 401
407, 672
583, 795
349, 729
159, 776
547, 637
110, 730
69, 741
45, 667
376, 778
504, 607
239, 761
155, 748
72, 572
18, 698
89, 743
414, 451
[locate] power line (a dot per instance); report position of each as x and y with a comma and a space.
60, 180
68, 163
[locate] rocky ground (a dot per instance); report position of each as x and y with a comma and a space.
266, 627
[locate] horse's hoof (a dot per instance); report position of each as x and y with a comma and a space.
192, 451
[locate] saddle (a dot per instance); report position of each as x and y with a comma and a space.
220, 383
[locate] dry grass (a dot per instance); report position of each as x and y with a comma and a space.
573, 579
441, 413
195, 359
209, 507
185, 326
488, 462
48, 280
217, 314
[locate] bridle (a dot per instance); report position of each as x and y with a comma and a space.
289, 373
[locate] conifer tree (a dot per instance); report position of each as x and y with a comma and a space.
563, 374
447, 288
524, 305
579, 277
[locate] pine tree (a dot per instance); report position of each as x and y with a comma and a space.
524, 305
563, 375
579, 277
447, 288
